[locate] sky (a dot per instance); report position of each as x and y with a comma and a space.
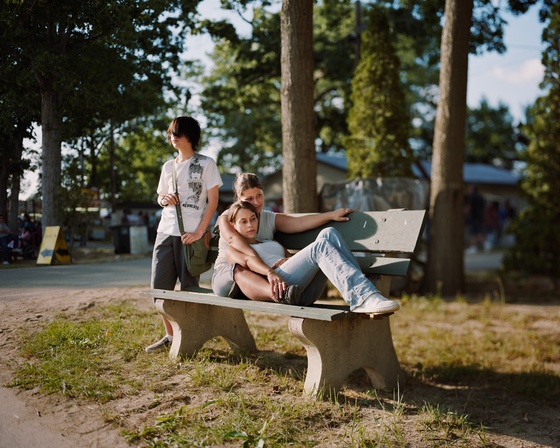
512, 78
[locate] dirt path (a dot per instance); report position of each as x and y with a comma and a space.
29, 419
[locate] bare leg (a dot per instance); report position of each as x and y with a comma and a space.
253, 285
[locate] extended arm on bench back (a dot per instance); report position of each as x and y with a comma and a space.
372, 236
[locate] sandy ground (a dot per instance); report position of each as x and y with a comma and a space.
29, 419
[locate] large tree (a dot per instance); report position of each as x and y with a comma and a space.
445, 254
19, 108
379, 125
298, 121
241, 95
143, 37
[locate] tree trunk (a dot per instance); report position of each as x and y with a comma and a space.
298, 115
4, 176
445, 272
112, 169
51, 123
15, 188
10, 176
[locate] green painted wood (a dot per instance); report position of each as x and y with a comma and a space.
383, 265
206, 296
396, 231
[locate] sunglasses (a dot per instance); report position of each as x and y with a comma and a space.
174, 134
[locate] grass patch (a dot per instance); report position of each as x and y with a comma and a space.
84, 356
458, 357
483, 344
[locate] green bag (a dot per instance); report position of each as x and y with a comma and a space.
196, 255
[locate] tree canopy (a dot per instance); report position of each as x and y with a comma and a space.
111, 58
537, 248
491, 136
379, 125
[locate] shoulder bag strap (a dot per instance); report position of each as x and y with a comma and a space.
186, 253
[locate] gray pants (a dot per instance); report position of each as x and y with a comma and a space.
168, 264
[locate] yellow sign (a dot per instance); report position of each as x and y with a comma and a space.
53, 247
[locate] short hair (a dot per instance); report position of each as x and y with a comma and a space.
240, 205
185, 126
245, 181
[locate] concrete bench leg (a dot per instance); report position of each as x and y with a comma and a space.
194, 324
336, 349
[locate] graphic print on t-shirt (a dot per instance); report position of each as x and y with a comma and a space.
195, 184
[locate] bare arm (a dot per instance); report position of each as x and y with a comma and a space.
255, 264
295, 224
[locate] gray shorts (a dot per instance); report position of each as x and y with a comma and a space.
223, 283
168, 264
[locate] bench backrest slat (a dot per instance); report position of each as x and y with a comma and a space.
393, 231
384, 265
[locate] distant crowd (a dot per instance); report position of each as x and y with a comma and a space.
486, 222
29, 233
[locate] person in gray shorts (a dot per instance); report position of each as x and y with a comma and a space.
198, 181
328, 257
233, 280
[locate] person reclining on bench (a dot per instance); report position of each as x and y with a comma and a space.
232, 280
304, 275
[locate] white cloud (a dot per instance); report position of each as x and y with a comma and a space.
531, 71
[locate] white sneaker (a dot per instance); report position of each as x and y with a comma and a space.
163, 343
377, 304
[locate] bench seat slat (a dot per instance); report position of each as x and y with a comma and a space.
207, 297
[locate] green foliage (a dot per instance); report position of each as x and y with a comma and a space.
241, 95
103, 62
113, 70
490, 137
335, 58
140, 154
378, 121
416, 28
537, 248
19, 108
241, 98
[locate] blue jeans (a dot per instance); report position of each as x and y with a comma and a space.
328, 257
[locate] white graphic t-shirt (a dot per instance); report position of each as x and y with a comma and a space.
195, 176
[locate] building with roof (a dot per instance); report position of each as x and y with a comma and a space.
495, 184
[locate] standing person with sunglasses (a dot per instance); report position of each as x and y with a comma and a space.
197, 180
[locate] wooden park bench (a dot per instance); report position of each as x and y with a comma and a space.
337, 341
